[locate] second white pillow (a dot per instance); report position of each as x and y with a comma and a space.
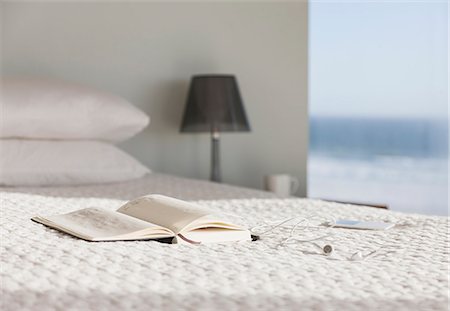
55, 163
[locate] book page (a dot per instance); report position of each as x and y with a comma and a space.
100, 224
212, 221
213, 235
164, 211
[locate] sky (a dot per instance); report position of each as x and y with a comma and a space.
379, 59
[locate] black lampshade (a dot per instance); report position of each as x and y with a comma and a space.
214, 104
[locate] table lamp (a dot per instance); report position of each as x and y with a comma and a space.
214, 105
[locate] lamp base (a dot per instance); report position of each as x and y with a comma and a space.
216, 175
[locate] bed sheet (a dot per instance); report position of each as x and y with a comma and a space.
43, 269
179, 187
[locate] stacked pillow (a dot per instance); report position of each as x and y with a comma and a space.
60, 133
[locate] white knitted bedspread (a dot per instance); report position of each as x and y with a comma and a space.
42, 269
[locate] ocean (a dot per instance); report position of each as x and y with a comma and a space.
402, 163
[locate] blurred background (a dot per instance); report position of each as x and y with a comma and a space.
379, 104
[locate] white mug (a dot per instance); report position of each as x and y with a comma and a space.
282, 184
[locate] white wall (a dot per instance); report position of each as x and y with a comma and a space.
146, 52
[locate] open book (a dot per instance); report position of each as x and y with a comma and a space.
146, 218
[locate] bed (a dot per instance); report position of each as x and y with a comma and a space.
43, 147
43, 269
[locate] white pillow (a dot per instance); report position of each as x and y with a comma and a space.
45, 163
50, 109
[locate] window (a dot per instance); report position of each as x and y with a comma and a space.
379, 104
